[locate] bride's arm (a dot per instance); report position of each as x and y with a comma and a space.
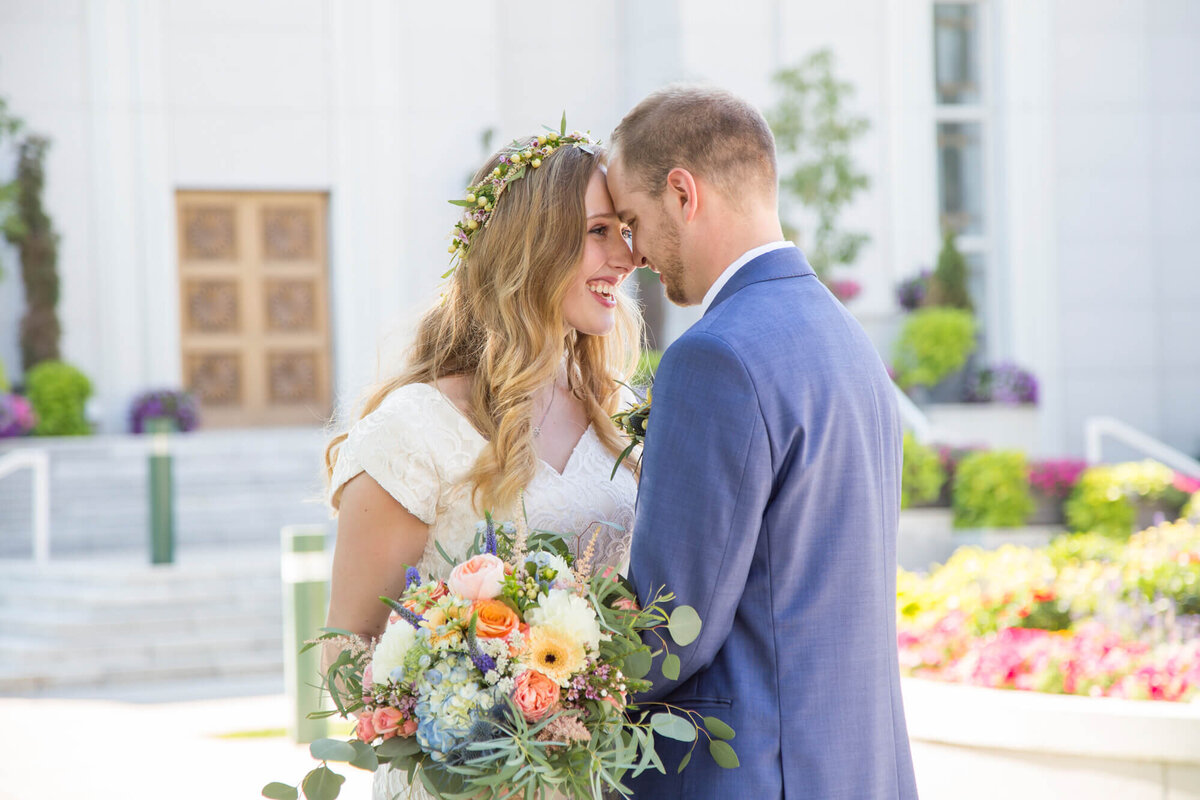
376, 538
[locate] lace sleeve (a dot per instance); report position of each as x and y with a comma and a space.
390, 445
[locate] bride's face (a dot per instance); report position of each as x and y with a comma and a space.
591, 301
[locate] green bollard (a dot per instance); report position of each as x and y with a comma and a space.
162, 493
305, 572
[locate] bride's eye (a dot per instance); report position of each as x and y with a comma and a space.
601, 230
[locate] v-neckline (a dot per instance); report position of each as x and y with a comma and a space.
467, 423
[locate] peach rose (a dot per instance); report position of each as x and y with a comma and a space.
535, 694
478, 578
386, 722
496, 620
365, 730
625, 604
408, 728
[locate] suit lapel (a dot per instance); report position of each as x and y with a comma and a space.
786, 262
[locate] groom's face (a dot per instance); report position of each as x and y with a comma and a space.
656, 235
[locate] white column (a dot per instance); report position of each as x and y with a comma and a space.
1025, 126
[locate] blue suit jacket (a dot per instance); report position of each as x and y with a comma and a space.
768, 501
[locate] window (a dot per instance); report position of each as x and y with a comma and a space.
962, 131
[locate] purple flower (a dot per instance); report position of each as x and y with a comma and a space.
171, 404
411, 575
1003, 383
911, 293
16, 416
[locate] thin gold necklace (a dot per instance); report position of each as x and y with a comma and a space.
537, 429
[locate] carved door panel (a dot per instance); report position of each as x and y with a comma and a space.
254, 307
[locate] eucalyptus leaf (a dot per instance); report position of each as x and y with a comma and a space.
670, 667
718, 728
673, 727
686, 760
464, 203
723, 754
637, 664
332, 750
364, 757
684, 625
322, 784
398, 746
280, 791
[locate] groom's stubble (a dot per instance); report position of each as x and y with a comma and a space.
668, 263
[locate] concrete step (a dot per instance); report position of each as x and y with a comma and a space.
92, 628
234, 666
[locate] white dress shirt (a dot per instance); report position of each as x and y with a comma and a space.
745, 258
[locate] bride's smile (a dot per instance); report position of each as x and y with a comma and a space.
591, 298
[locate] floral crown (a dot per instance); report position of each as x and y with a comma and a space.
518, 158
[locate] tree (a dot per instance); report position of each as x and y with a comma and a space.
815, 132
31, 231
948, 286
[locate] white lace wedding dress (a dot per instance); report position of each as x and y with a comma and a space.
418, 446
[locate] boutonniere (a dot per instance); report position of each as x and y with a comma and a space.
633, 422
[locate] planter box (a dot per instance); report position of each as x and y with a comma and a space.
1048, 511
999, 427
985, 744
927, 536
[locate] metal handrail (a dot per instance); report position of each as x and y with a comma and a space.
912, 417
1096, 428
39, 461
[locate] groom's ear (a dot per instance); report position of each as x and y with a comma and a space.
682, 193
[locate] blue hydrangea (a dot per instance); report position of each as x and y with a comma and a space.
452, 702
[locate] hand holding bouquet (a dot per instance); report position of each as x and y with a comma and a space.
511, 678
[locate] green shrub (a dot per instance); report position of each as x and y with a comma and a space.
58, 393
934, 343
991, 490
922, 479
647, 365
1105, 498
1191, 509
948, 286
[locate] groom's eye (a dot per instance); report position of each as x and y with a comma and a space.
627, 233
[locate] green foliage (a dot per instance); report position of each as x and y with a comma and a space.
58, 393
948, 286
991, 490
648, 361
1105, 498
934, 343
923, 476
29, 229
10, 222
1191, 509
815, 134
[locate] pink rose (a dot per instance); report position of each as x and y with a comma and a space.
479, 578
365, 729
625, 604
386, 721
535, 694
408, 728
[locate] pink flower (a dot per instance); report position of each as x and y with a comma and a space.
478, 578
625, 604
535, 694
368, 679
387, 721
365, 730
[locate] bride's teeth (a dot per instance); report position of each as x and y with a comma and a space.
601, 288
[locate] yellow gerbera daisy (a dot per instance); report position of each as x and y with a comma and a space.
554, 654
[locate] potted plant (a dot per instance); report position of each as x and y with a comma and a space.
1052, 481
923, 476
1004, 383
933, 344
175, 409
1117, 499
991, 490
16, 416
911, 292
58, 393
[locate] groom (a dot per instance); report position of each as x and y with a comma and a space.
771, 474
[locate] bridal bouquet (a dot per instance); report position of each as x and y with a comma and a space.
510, 679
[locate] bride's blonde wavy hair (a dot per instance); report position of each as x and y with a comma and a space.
501, 323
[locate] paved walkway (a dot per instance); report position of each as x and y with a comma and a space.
152, 744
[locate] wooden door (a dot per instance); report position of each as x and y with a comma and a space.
254, 307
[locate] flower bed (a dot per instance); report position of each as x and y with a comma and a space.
1086, 615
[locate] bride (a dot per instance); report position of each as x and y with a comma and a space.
505, 401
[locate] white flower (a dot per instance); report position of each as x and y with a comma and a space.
393, 646
570, 614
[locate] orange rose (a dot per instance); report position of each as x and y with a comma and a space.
496, 620
535, 694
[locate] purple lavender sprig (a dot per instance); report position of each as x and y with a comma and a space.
411, 575
412, 619
489, 540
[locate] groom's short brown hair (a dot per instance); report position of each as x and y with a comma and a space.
710, 132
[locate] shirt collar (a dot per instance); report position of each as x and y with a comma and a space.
742, 261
